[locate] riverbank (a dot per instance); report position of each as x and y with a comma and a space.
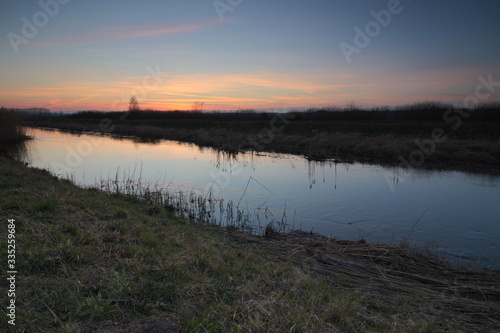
474, 147
92, 261
11, 128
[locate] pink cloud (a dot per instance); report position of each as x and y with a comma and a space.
110, 34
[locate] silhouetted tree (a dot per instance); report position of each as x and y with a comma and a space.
197, 106
133, 104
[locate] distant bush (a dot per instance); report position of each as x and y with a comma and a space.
11, 129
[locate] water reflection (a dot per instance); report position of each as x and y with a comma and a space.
226, 161
324, 166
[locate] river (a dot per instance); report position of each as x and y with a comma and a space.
453, 213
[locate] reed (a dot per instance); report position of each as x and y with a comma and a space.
11, 126
199, 208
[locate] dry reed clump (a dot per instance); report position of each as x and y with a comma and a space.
215, 137
483, 152
396, 272
202, 135
149, 132
477, 156
66, 126
495, 150
219, 138
120, 129
11, 126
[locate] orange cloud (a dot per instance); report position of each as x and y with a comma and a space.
265, 89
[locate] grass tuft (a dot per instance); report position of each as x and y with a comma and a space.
48, 205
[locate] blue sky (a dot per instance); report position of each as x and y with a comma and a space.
258, 54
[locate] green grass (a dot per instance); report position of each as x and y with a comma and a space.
88, 260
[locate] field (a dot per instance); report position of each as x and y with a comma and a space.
91, 261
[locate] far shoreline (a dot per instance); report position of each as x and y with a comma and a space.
477, 156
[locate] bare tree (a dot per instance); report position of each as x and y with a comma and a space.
197, 106
133, 104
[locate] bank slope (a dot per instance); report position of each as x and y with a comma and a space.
90, 261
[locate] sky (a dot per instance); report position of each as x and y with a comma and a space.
69, 55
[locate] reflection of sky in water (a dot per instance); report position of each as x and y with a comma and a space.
343, 201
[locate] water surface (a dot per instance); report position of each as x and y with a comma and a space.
459, 212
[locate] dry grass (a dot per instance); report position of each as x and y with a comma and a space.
91, 261
397, 274
11, 129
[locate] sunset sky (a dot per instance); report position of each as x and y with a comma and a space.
231, 54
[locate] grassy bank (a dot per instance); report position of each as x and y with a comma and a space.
90, 261
473, 146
